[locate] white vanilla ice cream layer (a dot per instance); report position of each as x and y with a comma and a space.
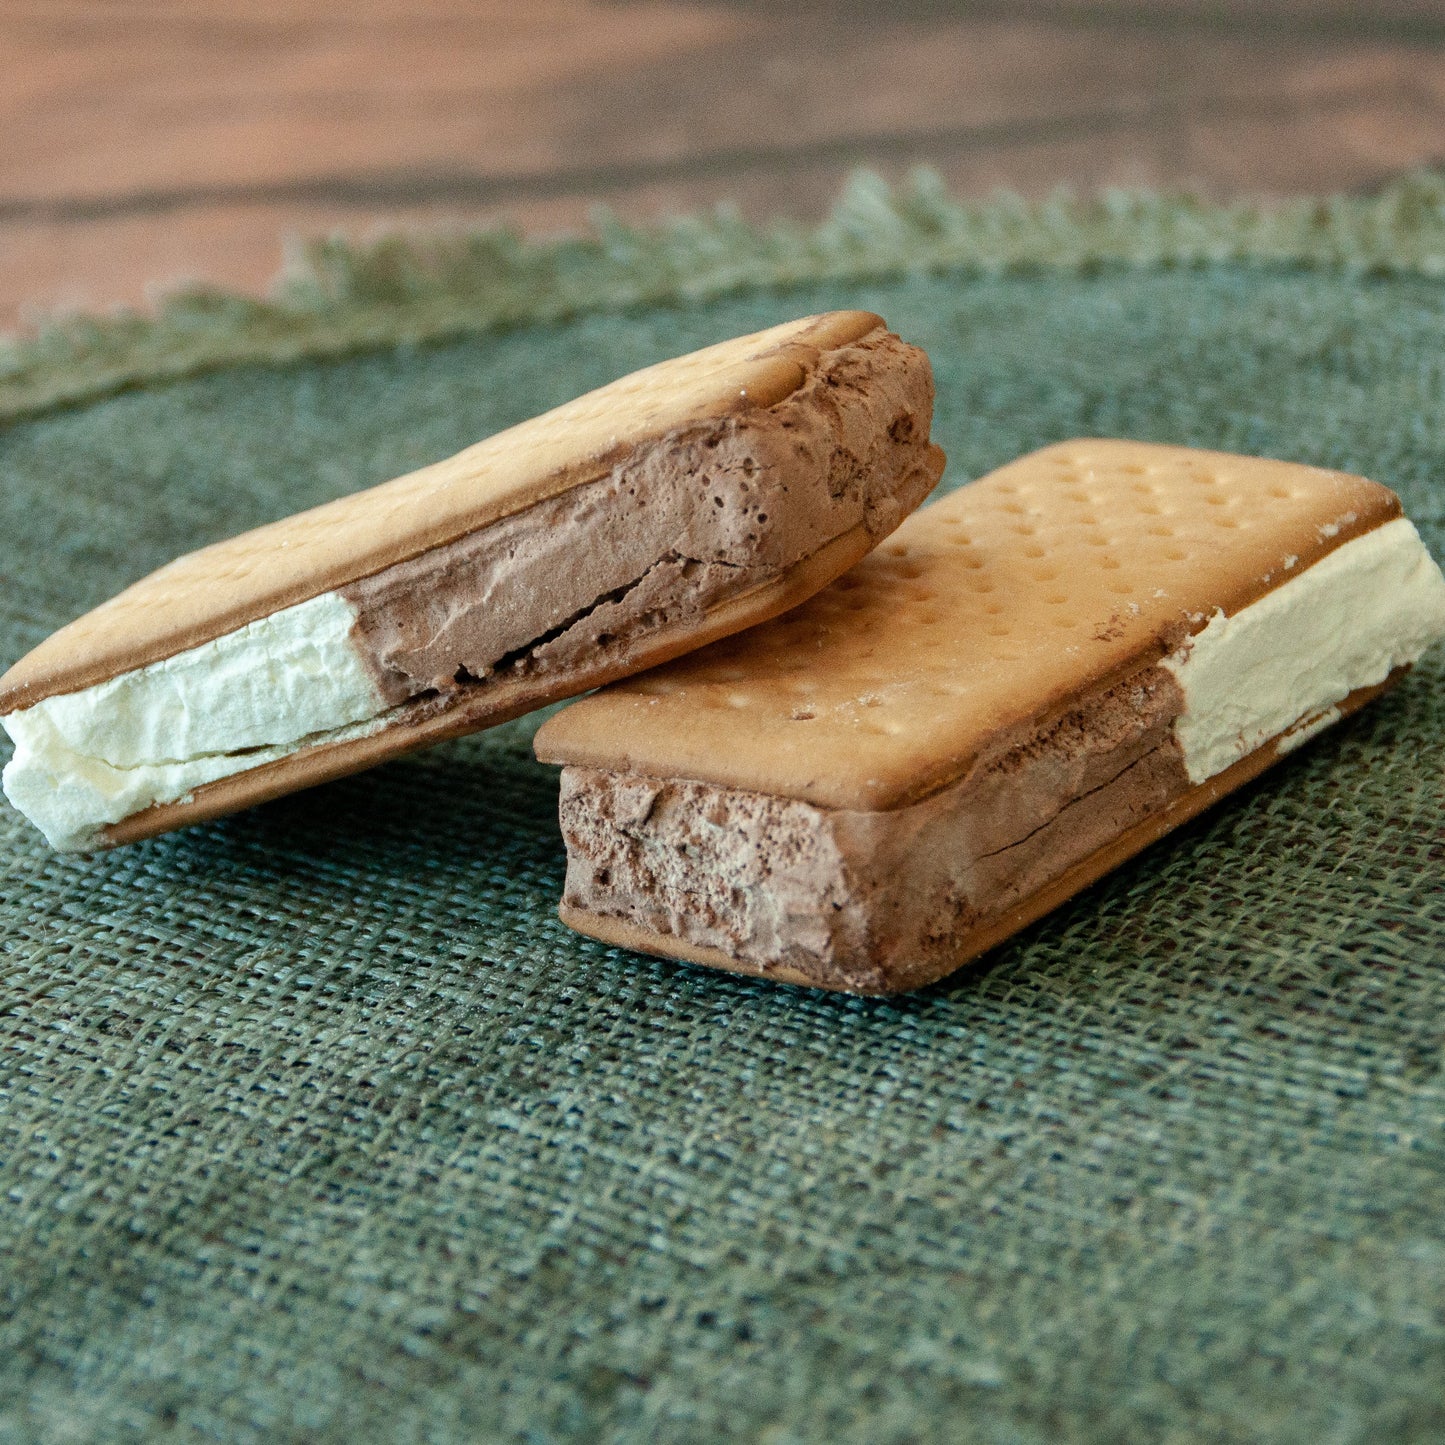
1282, 664
86, 759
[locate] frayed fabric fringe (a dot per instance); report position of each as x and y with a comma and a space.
339, 297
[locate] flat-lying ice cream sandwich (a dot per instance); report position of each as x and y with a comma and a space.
665, 510
1038, 676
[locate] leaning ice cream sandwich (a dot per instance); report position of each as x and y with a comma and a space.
1037, 677
668, 509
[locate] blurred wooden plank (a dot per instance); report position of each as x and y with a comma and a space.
163, 141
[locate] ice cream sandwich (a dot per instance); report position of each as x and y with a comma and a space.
665, 510
1034, 679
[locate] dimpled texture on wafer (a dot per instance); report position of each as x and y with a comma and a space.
1075, 564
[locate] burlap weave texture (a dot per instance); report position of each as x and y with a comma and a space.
317, 1125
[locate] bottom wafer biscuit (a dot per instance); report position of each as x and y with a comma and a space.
1038, 677
919, 931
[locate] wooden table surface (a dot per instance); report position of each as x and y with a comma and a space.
158, 141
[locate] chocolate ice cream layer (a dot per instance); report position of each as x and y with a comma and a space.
687, 522
870, 900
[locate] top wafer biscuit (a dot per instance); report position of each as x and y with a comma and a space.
1079, 563
222, 587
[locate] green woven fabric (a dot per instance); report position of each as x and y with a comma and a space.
317, 1125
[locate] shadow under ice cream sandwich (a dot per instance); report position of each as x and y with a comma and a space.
670, 508
1038, 676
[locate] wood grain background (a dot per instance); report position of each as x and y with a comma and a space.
151, 143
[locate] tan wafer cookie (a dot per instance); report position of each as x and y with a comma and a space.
663, 511
1032, 680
